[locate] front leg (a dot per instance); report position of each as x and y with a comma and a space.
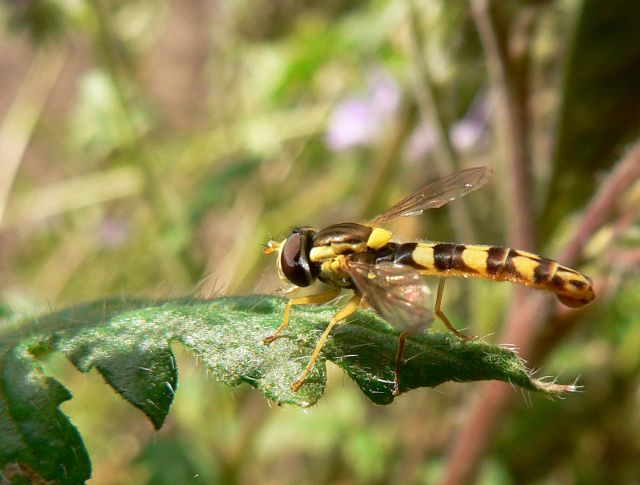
347, 310
305, 300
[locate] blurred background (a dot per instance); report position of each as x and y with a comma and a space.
147, 147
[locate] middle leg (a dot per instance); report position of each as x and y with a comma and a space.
396, 374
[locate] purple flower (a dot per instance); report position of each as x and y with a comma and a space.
359, 120
352, 124
420, 143
468, 132
385, 95
113, 233
465, 133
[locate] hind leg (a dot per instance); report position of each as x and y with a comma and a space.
440, 314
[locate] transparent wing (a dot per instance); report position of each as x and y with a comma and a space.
396, 291
437, 193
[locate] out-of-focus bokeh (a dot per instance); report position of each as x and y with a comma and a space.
147, 147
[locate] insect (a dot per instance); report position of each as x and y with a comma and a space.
389, 275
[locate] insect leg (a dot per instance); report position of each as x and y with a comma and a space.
364, 304
305, 300
396, 375
347, 310
441, 314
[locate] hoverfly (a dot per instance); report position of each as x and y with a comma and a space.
388, 275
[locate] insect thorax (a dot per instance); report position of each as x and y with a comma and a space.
343, 233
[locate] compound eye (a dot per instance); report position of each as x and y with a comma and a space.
294, 262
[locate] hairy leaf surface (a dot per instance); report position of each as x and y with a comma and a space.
129, 343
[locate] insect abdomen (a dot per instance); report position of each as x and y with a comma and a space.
501, 264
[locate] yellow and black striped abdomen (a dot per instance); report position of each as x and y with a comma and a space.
501, 264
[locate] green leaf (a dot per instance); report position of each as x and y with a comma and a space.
128, 342
33, 431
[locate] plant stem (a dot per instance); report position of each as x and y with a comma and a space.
377, 183
508, 73
625, 173
23, 115
447, 159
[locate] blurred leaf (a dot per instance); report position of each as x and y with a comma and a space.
215, 191
43, 19
100, 126
328, 49
272, 19
6, 312
311, 48
170, 463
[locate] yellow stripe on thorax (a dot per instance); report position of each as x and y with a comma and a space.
324, 253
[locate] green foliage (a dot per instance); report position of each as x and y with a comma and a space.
33, 431
128, 342
43, 20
